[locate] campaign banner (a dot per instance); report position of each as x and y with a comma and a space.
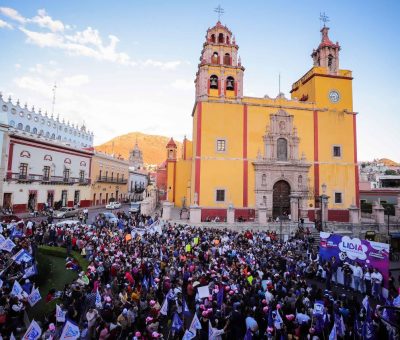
347, 249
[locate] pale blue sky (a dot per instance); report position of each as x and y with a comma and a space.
129, 65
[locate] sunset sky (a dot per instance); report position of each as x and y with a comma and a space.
127, 66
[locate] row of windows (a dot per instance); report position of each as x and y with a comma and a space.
41, 133
34, 130
105, 174
281, 148
230, 83
23, 172
226, 60
221, 39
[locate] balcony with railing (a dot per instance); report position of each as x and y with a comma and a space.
29, 178
115, 180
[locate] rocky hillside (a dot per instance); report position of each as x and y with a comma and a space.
152, 146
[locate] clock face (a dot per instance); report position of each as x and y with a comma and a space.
334, 96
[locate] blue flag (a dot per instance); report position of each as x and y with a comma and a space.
185, 307
339, 323
248, 335
177, 323
220, 296
30, 271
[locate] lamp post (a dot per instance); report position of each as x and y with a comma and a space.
323, 198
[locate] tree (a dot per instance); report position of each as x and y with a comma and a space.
390, 172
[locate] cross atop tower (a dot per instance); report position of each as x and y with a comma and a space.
220, 11
323, 18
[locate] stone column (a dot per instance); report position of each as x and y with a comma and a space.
195, 214
167, 208
324, 208
378, 212
397, 208
262, 215
354, 214
230, 215
294, 207
303, 208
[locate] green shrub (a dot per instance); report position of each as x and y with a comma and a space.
62, 252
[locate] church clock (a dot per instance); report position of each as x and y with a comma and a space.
334, 96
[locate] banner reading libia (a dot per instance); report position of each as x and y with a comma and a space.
368, 254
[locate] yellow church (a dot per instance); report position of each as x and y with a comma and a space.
267, 157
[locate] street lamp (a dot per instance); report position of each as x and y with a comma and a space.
323, 198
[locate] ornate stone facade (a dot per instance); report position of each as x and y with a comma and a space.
281, 176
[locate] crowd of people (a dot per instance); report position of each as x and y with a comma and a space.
150, 280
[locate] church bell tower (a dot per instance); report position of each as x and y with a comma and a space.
220, 73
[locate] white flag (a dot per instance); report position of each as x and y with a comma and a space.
7, 245
33, 332
70, 331
16, 289
164, 307
98, 299
188, 335
210, 331
12, 337
332, 335
195, 325
34, 297
60, 314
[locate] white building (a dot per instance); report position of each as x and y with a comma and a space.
137, 184
37, 124
138, 175
43, 160
39, 172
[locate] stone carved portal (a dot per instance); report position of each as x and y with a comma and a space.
281, 176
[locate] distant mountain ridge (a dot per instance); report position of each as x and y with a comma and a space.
152, 146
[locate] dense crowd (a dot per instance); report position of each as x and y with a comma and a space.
149, 280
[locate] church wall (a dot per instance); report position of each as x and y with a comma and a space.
222, 170
337, 172
183, 173
258, 119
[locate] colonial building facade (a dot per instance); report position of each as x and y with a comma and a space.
44, 161
38, 124
110, 179
39, 173
270, 155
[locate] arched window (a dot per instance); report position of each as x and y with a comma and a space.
212, 38
230, 83
227, 59
53, 136
20, 126
27, 128
59, 137
213, 82
214, 58
282, 149
12, 123
41, 132
221, 38
34, 130
228, 41
264, 179
330, 60
47, 134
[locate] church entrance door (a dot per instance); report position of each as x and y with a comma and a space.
281, 199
